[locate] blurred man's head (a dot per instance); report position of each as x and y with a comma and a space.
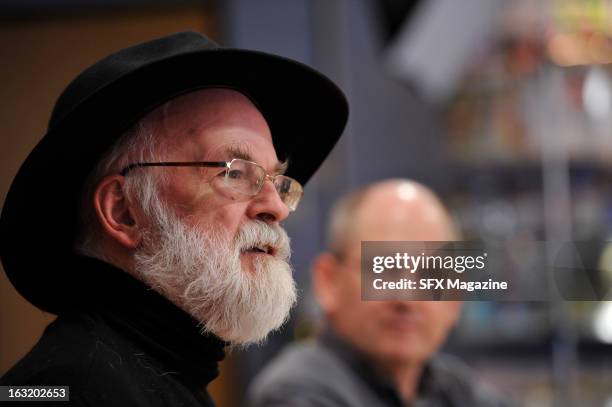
391, 332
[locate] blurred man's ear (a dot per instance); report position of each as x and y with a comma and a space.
325, 281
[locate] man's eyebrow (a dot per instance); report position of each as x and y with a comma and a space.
281, 167
243, 153
237, 151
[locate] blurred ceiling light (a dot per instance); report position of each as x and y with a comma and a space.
597, 93
602, 322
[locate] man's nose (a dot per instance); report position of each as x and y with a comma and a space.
267, 206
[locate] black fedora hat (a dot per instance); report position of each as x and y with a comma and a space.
305, 111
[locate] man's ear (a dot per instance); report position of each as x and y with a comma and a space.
325, 280
114, 212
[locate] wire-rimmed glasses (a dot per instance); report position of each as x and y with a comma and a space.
243, 176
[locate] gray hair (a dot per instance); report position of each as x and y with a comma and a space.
140, 143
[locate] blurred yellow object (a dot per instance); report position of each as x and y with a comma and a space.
580, 15
581, 32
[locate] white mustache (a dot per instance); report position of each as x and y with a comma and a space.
260, 234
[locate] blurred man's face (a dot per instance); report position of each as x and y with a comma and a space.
391, 331
222, 258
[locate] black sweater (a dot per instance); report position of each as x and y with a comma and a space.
124, 345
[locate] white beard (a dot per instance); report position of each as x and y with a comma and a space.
201, 272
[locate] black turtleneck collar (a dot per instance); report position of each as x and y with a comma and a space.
149, 319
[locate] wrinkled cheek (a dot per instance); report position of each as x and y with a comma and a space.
203, 196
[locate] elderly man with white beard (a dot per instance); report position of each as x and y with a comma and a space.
165, 173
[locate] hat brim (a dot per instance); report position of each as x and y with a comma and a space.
305, 111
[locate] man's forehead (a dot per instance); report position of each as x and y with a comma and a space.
219, 124
199, 111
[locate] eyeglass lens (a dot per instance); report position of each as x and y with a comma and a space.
247, 178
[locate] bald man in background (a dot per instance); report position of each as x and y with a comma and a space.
374, 353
